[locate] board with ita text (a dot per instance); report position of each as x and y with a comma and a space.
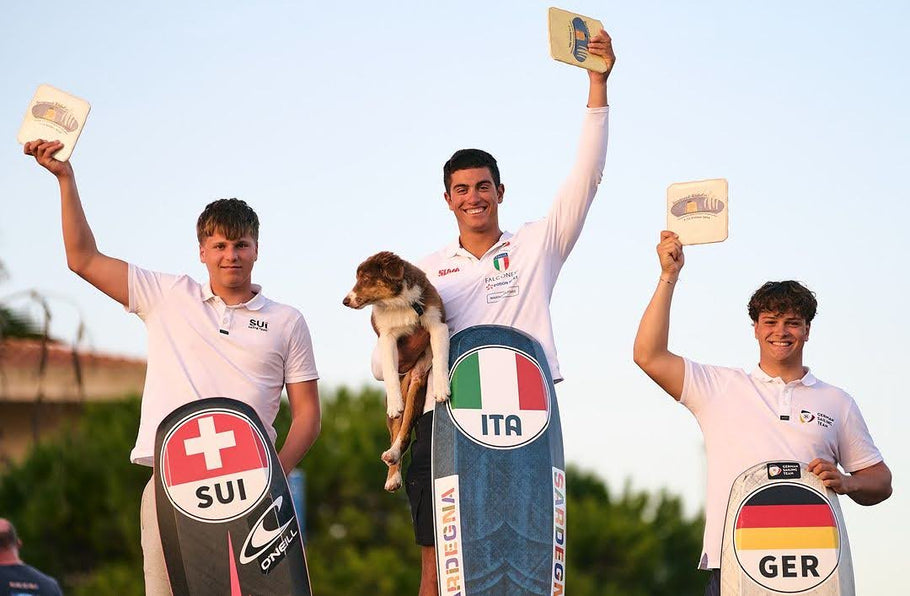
499, 480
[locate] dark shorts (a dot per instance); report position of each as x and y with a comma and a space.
713, 587
417, 481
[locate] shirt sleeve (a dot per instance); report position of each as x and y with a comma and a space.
700, 383
567, 215
300, 365
855, 445
146, 289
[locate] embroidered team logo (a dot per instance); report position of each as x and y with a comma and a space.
786, 538
805, 416
215, 466
500, 397
501, 261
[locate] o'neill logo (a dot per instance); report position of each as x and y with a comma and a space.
214, 465
500, 397
786, 538
269, 545
501, 261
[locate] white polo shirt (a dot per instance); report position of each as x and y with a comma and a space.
740, 416
200, 347
513, 282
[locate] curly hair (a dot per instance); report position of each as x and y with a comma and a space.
232, 217
781, 297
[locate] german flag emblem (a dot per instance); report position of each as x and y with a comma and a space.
786, 538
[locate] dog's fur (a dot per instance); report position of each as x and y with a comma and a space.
403, 299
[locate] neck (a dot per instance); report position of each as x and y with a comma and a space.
232, 296
478, 243
787, 371
10, 557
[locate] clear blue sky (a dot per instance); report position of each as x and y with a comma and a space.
334, 122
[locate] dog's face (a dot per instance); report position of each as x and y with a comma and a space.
378, 278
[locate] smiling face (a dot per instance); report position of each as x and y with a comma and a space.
229, 262
474, 197
781, 337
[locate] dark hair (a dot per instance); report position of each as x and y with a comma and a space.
232, 217
465, 159
781, 297
8, 537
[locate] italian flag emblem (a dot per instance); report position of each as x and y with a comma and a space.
501, 261
500, 397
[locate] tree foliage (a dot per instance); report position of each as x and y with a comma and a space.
75, 500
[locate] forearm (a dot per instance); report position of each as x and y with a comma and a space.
301, 436
78, 240
597, 90
653, 335
871, 485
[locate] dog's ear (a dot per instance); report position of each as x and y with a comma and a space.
391, 264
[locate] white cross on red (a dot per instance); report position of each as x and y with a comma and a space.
209, 443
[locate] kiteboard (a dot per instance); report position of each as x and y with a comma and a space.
225, 512
784, 534
499, 483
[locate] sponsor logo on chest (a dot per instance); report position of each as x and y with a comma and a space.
823, 420
259, 325
215, 466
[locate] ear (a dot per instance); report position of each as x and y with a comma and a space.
501, 191
808, 328
448, 199
202, 253
755, 329
394, 269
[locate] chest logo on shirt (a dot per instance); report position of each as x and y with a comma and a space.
215, 466
823, 420
501, 261
786, 538
502, 284
259, 325
500, 397
447, 270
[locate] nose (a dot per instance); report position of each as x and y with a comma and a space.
346, 301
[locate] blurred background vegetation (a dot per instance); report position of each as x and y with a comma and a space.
75, 501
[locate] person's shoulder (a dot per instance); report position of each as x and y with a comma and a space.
287, 313
44, 580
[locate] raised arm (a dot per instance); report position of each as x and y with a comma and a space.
651, 353
109, 275
600, 45
569, 210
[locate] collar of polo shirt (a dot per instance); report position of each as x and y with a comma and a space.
758, 374
254, 303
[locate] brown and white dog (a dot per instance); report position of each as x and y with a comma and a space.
403, 299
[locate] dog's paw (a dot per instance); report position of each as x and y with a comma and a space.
392, 456
394, 411
393, 482
441, 389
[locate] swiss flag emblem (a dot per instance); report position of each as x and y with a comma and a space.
215, 466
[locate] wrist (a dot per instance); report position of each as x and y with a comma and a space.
667, 278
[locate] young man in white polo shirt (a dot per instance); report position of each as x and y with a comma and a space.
221, 338
487, 276
771, 399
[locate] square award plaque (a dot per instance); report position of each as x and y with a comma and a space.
698, 211
54, 115
569, 37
